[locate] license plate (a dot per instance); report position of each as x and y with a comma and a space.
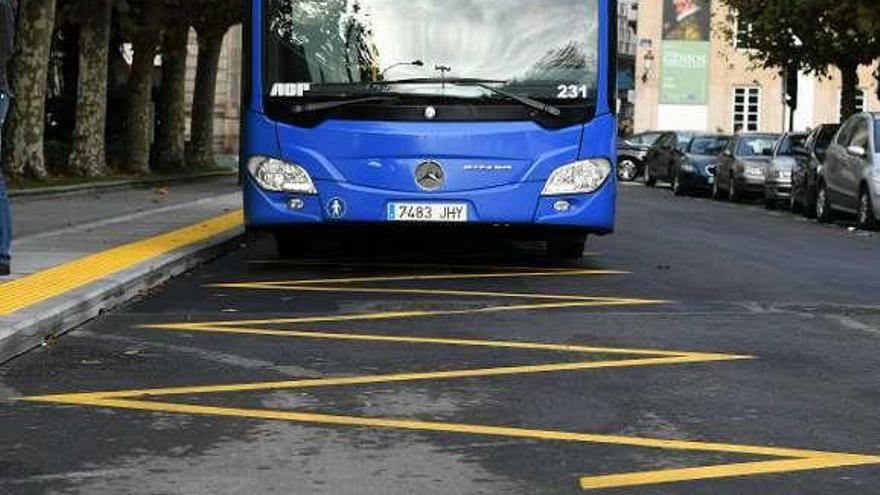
427, 212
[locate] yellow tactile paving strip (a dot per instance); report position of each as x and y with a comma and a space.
765, 459
42, 286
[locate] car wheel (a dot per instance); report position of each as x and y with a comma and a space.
732, 193
793, 204
769, 203
823, 205
716, 191
627, 170
867, 220
809, 204
677, 187
650, 180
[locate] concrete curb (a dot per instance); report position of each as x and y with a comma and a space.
115, 185
33, 326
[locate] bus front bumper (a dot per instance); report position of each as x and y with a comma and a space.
516, 204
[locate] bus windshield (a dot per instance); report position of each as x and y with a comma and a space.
324, 49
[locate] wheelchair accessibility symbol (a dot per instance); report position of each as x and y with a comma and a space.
336, 208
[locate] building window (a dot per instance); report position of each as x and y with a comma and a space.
741, 34
861, 102
746, 108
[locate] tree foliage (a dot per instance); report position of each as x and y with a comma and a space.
151, 27
809, 35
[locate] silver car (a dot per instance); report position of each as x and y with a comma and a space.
742, 167
777, 185
849, 180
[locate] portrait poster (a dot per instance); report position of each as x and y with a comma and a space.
686, 52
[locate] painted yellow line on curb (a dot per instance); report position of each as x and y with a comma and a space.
39, 287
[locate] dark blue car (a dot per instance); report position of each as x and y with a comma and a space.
686, 160
695, 172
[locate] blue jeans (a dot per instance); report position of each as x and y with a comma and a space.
5, 214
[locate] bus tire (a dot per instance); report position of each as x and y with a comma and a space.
569, 247
290, 244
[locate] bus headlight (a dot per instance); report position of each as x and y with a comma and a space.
279, 176
581, 177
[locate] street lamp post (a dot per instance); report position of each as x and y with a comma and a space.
649, 65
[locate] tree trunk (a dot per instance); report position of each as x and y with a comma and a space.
28, 70
88, 158
201, 146
850, 78
138, 127
171, 136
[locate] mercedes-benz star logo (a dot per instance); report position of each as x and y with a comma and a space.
430, 175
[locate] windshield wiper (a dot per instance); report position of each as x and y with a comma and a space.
480, 83
329, 105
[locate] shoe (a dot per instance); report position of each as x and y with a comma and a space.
4, 269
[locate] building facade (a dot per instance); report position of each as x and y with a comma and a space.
690, 77
227, 104
627, 42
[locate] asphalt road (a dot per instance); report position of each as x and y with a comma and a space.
706, 348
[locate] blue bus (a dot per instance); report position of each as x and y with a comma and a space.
454, 113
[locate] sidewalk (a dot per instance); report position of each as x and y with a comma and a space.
74, 256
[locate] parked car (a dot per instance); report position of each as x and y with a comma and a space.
631, 153
777, 186
849, 179
695, 171
742, 168
805, 174
665, 155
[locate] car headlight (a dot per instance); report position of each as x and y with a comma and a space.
782, 174
578, 178
754, 171
687, 167
279, 176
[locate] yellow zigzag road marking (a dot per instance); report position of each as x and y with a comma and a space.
450, 276
345, 286
793, 459
410, 266
803, 459
786, 460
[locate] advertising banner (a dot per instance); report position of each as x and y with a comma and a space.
686, 52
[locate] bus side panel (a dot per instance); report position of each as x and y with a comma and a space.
593, 212
264, 209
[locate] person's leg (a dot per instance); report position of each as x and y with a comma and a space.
5, 229
5, 213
